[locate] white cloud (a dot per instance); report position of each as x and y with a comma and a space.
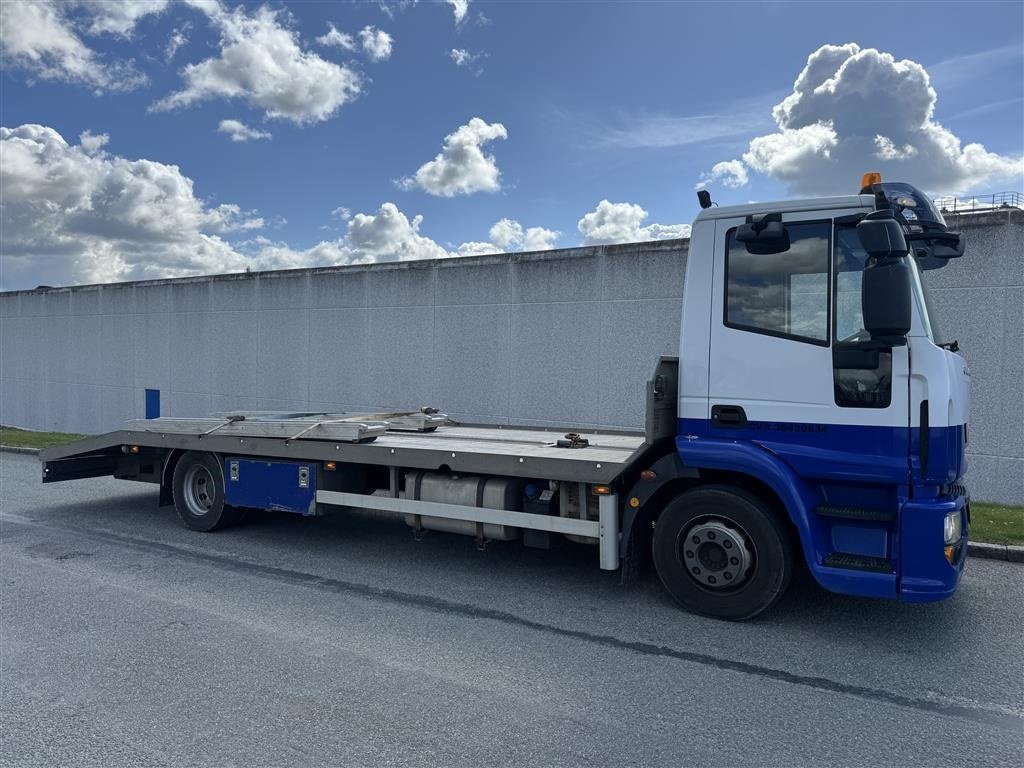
465, 58
239, 131
75, 214
539, 239
461, 167
623, 223
389, 235
92, 143
177, 39
854, 110
461, 57
212, 8
459, 9
729, 173
887, 150
640, 131
119, 17
334, 37
39, 38
505, 233
509, 235
376, 43
474, 248
389, 9
261, 62
78, 214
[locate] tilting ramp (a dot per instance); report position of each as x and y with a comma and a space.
342, 430
339, 427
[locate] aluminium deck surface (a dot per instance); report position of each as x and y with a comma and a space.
501, 441
509, 451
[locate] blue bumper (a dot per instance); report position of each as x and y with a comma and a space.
926, 575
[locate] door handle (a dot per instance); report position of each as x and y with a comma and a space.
728, 416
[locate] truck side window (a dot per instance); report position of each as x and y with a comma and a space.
862, 378
781, 294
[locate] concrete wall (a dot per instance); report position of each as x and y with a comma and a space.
979, 301
563, 337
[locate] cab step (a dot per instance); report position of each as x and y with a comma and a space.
856, 513
859, 562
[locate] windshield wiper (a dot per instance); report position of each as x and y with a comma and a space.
952, 346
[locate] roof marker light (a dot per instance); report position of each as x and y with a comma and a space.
869, 178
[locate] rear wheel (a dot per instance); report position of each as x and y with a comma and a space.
198, 486
722, 552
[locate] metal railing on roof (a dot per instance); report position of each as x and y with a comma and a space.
978, 203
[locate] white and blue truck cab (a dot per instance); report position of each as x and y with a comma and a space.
814, 409
811, 372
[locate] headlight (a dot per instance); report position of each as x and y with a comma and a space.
951, 527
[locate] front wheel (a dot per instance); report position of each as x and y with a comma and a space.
198, 486
721, 551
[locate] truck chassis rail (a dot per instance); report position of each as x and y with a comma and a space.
605, 529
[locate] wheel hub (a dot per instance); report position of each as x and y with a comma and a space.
199, 490
716, 554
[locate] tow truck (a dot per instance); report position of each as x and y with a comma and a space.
813, 411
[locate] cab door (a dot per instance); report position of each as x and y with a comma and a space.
779, 378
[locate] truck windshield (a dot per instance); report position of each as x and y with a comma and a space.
924, 302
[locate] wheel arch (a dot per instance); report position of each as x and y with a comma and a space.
167, 476
748, 468
167, 473
761, 472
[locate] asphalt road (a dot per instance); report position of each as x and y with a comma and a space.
128, 640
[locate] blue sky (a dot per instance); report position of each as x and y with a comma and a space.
630, 103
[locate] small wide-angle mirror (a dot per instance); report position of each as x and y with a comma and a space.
882, 236
764, 234
934, 249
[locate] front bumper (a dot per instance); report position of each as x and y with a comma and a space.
926, 573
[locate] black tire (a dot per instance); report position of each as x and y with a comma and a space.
198, 488
745, 584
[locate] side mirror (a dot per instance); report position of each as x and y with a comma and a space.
764, 234
885, 301
885, 292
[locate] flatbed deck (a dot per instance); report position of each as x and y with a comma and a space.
501, 450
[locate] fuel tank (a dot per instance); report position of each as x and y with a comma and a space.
467, 490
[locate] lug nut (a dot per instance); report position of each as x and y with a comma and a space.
689, 553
